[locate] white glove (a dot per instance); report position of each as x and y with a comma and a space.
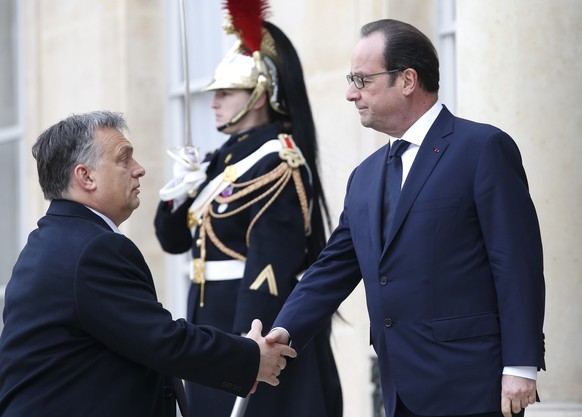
185, 181
179, 170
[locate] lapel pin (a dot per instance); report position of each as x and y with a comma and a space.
437, 150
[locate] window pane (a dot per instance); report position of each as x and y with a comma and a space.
8, 82
9, 213
207, 45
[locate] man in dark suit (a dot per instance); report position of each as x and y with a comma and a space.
84, 332
453, 267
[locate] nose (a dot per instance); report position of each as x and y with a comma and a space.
138, 171
352, 93
214, 103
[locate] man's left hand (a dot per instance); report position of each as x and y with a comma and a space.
516, 394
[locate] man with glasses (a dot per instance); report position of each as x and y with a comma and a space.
440, 225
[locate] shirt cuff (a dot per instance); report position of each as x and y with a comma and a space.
530, 372
285, 330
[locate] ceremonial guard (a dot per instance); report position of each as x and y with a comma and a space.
252, 214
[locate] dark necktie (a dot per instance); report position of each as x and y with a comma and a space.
394, 183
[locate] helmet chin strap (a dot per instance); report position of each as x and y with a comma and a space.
259, 90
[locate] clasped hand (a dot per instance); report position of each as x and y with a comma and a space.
272, 356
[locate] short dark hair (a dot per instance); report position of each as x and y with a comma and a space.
407, 47
68, 143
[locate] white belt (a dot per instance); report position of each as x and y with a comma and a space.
222, 270
227, 270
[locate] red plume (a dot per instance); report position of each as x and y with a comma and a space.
247, 18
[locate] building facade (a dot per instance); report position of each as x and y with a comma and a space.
514, 64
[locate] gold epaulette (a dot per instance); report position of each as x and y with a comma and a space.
290, 152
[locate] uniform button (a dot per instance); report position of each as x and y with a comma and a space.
383, 280
388, 322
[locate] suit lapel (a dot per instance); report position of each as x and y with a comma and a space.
430, 152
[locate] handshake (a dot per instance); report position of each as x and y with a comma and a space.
274, 348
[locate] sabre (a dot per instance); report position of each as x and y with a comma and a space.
188, 155
240, 406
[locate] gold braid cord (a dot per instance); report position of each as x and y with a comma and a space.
278, 178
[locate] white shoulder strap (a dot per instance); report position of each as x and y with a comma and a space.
231, 174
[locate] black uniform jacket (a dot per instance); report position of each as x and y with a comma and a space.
275, 248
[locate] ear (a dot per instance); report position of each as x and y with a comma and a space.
410, 81
83, 177
261, 102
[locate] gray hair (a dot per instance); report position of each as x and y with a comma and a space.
68, 143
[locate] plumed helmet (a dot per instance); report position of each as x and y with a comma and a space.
275, 68
251, 62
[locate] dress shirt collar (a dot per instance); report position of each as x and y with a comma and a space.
107, 220
417, 132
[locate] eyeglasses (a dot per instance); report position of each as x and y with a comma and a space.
358, 80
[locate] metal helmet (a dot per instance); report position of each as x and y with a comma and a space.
250, 63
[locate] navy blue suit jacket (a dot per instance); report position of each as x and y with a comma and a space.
85, 334
457, 291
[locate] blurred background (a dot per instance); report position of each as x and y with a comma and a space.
514, 64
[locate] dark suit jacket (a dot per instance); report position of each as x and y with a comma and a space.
85, 334
457, 292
